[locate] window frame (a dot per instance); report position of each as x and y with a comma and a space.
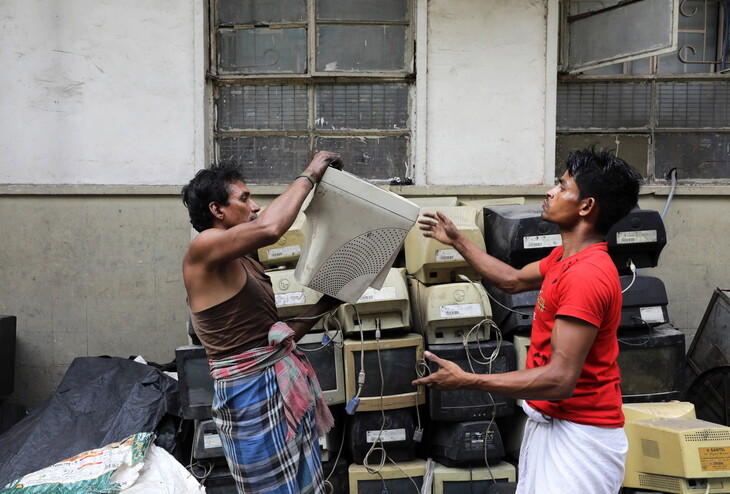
311, 79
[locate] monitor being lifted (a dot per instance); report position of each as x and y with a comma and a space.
355, 233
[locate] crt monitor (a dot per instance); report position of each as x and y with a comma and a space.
391, 430
513, 312
285, 252
195, 381
517, 234
678, 455
639, 236
397, 356
455, 444
387, 308
450, 312
403, 477
7, 355
652, 364
356, 231
430, 261
470, 480
324, 352
644, 302
291, 297
488, 357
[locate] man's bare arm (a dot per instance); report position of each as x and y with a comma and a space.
500, 274
215, 246
571, 341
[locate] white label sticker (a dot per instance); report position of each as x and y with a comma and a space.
291, 298
461, 310
540, 241
386, 436
385, 293
640, 237
291, 250
652, 314
211, 441
445, 255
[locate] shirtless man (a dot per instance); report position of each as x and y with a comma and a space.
268, 406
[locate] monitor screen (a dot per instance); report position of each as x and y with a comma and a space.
651, 364
469, 405
7, 355
397, 357
710, 346
324, 352
195, 381
399, 370
404, 477
471, 479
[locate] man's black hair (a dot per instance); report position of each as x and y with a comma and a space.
609, 180
209, 185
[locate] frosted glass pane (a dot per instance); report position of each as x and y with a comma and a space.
261, 11
361, 106
361, 48
267, 159
370, 157
262, 107
262, 50
359, 10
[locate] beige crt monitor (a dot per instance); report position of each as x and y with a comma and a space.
678, 455
387, 308
633, 412
355, 233
398, 478
430, 261
448, 480
285, 252
446, 313
397, 357
292, 298
480, 204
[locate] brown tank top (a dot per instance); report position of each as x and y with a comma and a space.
242, 322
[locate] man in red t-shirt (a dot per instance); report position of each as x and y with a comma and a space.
574, 440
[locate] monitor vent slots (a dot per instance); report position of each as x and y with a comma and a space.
707, 435
660, 482
363, 255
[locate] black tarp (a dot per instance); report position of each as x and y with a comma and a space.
100, 400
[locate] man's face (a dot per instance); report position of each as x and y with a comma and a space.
562, 204
241, 207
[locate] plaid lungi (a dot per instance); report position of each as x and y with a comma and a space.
249, 414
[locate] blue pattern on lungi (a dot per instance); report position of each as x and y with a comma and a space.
249, 415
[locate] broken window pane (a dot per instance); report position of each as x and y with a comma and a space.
266, 159
262, 50
372, 10
377, 158
270, 107
361, 47
261, 11
361, 106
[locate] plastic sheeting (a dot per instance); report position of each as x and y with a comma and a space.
101, 400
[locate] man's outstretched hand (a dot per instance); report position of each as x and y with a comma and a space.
449, 376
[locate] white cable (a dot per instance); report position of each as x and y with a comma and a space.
632, 267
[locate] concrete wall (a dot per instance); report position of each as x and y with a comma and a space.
100, 92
